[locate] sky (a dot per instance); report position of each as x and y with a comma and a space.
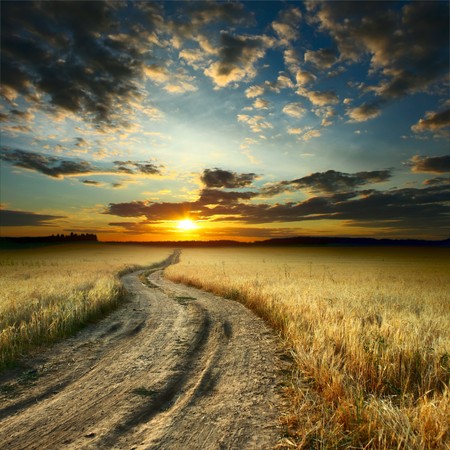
147, 121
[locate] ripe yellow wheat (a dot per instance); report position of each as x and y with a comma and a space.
51, 292
369, 330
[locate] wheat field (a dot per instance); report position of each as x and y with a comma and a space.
368, 330
50, 292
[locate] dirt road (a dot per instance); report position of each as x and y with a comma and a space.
173, 368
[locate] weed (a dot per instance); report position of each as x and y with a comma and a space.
184, 300
143, 392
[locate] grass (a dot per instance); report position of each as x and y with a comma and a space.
368, 329
50, 292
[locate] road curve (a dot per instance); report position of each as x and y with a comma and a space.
173, 368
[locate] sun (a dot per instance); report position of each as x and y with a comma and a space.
186, 225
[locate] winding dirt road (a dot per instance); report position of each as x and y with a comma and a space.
173, 368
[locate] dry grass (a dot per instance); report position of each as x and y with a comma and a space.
49, 293
369, 331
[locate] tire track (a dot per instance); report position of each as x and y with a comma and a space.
174, 368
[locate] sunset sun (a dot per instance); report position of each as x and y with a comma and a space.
186, 225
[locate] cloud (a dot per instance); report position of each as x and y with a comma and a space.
254, 91
304, 77
323, 58
147, 168
436, 181
256, 123
417, 209
291, 59
73, 55
333, 181
92, 183
329, 182
48, 165
282, 82
287, 25
200, 14
56, 167
430, 164
327, 113
364, 112
260, 103
9, 218
295, 110
363, 28
196, 58
434, 121
175, 82
218, 178
216, 196
310, 135
237, 58
16, 114
319, 98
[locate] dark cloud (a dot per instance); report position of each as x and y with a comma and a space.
194, 22
203, 13
237, 58
323, 58
330, 181
48, 165
155, 211
57, 167
437, 181
92, 182
16, 115
144, 167
210, 202
10, 218
216, 196
408, 46
419, 208
287, 25
433, 121
218, 178
430, 164
74, 53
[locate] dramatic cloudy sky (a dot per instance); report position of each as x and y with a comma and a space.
252, 119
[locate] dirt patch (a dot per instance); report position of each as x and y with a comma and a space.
173, 368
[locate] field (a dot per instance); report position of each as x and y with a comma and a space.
368, 330
48, 293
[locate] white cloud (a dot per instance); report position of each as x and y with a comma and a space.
260, 103
256, 123
311, 134
254, 91
294, 110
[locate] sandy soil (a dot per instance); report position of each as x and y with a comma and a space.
173, 368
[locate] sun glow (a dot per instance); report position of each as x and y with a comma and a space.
186, 225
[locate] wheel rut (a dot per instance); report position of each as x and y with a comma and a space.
173, 368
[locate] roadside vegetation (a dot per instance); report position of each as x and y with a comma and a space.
369, 333
50, 292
